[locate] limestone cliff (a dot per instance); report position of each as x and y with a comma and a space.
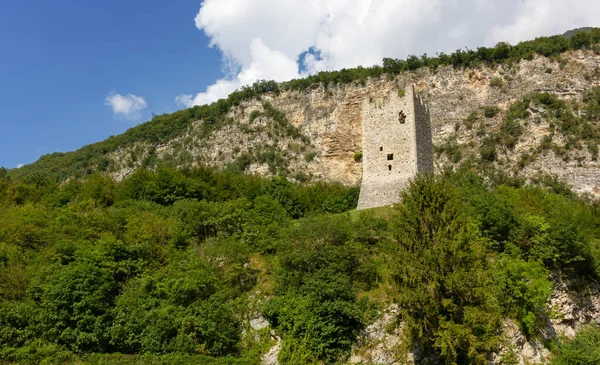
328, 123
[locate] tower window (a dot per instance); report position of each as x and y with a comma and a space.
389, 167
390, 156
380, 148
402, 117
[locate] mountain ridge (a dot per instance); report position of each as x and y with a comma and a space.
287, 144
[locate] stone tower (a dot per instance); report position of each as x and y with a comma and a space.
396, 140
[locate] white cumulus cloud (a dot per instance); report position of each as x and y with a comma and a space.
265, 64
280, 40
127, 106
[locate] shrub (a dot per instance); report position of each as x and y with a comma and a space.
497, 82
310, 156
490, 111
593, 149
357, 156
254, 115
244, 161
471, 119
488, 153
527, 290
582, 350
524, 160
546, 143
581, 40
451, 149
510, 132
77, 300
562, 63
177, 311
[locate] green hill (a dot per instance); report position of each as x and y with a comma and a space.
185, 130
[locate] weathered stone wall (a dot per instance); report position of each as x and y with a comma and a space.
423, 136
393, 127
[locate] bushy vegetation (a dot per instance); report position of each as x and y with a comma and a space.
582, 350
497, 82
450, 148
315, 307
167, 266
153, 265
469, 255
490, 111
576, 123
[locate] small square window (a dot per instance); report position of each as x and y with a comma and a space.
381, 149
402, 117
390, 167
390, 156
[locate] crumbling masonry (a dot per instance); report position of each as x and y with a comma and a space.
396, 139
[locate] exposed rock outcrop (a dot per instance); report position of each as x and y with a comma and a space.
330, 121
383, 341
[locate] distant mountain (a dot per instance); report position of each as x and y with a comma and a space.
572, 32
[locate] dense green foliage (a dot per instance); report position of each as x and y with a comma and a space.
315, 304
168, 266
154, 265
582, 350
447, 290
469, 255
164, 128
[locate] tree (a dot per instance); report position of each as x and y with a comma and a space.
76, 301
447, 291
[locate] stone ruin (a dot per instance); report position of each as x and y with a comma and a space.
396, 140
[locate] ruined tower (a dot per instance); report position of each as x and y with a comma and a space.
396, 140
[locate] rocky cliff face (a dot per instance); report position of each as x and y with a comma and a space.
383, 342
328, 124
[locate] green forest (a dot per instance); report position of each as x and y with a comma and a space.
167, 267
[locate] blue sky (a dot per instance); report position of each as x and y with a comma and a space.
75, 72
60, 59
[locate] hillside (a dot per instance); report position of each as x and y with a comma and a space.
227, 233
203, 266
310, 129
